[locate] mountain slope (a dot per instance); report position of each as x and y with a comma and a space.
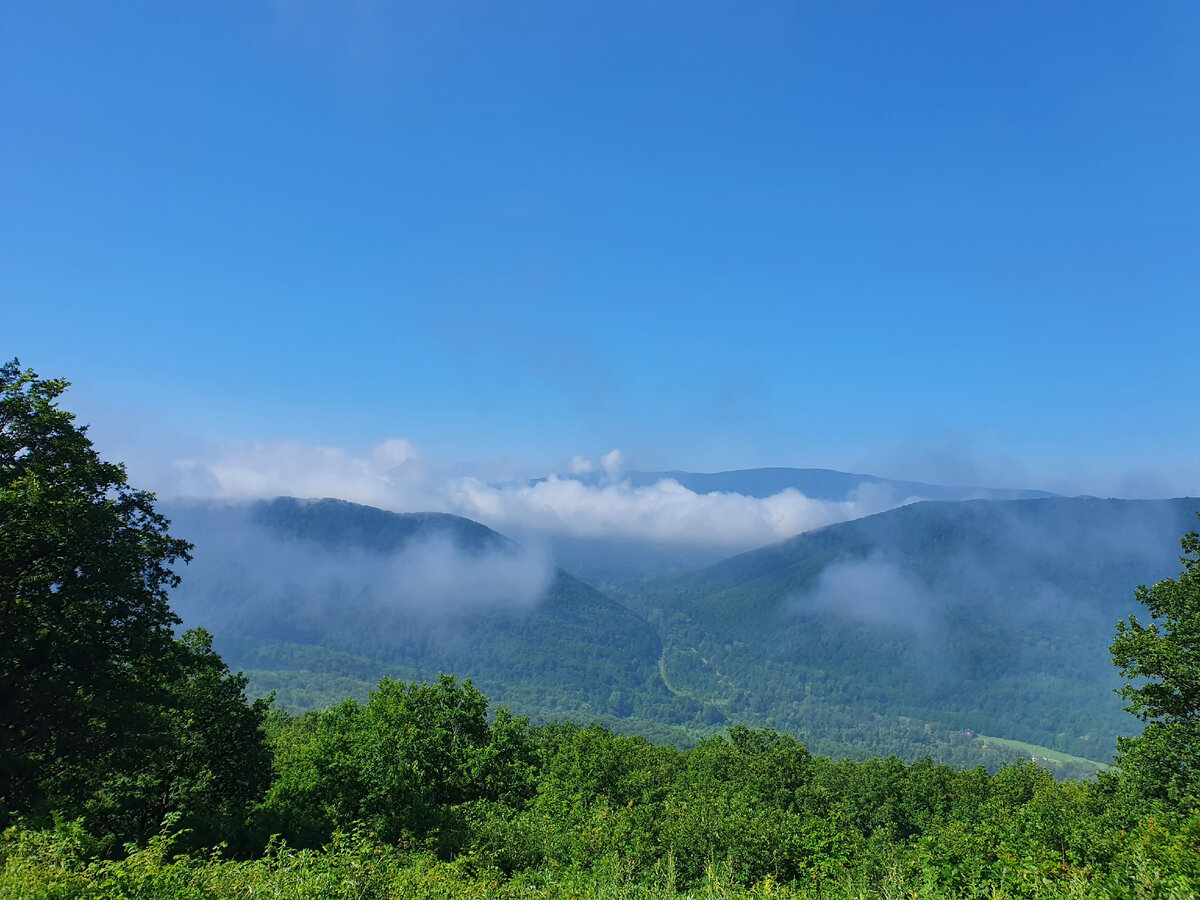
339, 524
314, 598
983, 615
897, 633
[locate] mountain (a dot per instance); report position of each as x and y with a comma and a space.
340, 525
988, 616
317, 600
906, 632
821, 484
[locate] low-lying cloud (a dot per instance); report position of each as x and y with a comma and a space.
592, 500
665, 511
432, 577
874, 589
1052, 562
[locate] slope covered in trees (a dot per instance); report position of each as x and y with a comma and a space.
984, 615
320, 599
907, 632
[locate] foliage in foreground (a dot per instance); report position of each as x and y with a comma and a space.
1162, 660
416, 794
1156, 862
104, 713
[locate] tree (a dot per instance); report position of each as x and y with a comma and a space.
86, 640
1163, 659
406, 764
201, 754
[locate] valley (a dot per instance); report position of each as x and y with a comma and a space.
896, 633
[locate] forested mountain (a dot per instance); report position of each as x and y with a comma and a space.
317, 600
340, 525
982, 615
903, 632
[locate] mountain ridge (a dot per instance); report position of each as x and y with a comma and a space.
302, 593
820, 484
969, 613
896, 633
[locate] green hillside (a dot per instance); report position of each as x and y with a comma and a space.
1055, 760
900, 633
881, 634
315, 600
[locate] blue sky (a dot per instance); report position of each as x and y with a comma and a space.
954, 241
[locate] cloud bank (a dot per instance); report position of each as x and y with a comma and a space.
665, 511
590, 500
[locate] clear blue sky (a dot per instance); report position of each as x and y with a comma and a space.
713, 235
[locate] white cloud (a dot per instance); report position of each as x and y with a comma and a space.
243, 471
613, 462
665, 511
393, 452
874, 589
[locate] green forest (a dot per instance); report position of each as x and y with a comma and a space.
133, 764
909, 633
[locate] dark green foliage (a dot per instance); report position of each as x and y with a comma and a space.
405, 763
198, 756
1163, 658
104, 715
85, 626
989, 616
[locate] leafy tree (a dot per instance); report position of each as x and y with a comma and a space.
201, 755
85, 627
405, 764
103, 713
1163, 658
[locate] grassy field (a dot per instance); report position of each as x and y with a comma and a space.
1044, 755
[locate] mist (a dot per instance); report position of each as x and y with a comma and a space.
876, 589
990, 564
431, 578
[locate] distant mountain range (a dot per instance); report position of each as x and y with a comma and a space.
895, 633
819, 484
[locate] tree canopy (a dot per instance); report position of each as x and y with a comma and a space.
1163, 660
405, 763
102, 711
